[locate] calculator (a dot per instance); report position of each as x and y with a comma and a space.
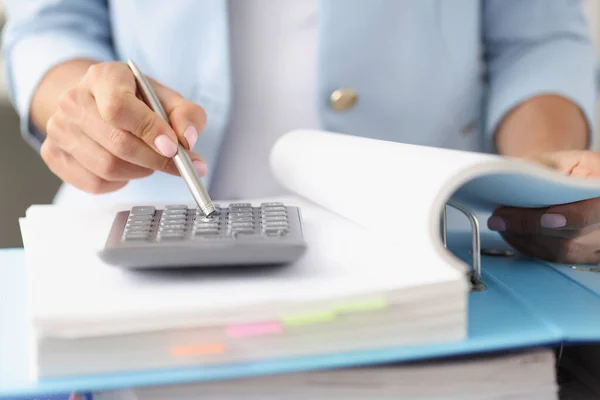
237, 234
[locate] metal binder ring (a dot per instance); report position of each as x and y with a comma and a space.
476, 283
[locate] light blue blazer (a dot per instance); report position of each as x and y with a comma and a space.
431, 72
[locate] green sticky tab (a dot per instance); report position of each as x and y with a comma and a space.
308, 318
361, 306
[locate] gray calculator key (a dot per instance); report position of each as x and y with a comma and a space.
272, 204
138, 223
236, 224
137, 228
203, 231
240, 209
241, 229
273, 208
171, 234
206, 226
274, 214
206, 219
170, 218
139, 218
176, 207
136, 236
240, 214
274, 218
275, 224
274, 231
240, 205
175, 211
168, 227
143, 210
241, 219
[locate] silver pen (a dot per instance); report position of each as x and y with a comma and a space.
182, 159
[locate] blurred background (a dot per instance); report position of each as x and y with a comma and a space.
25, 180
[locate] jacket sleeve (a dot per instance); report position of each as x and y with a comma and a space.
38, 35
535, 47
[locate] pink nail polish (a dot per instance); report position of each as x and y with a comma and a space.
200, 167
496, 223
191, 135
553, 220
166, 146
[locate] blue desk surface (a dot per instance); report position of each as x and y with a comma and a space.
527, 304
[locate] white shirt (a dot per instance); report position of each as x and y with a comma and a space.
273, 63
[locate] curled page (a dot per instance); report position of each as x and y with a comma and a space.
386, 187
399, 190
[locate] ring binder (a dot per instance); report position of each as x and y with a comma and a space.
475, 275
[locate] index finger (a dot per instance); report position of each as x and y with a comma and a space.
115, 95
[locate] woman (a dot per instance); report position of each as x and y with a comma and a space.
509, 76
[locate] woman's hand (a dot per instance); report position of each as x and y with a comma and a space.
102, 135
568, 233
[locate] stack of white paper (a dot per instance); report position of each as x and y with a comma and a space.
520, 376
351, 291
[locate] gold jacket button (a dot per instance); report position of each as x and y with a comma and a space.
343, 99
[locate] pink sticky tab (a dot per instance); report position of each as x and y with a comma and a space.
263, 328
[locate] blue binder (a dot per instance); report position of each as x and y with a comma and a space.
526, 303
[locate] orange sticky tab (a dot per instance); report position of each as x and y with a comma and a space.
198, 350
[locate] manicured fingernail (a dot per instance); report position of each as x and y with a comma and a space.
496, 223
165, 145
191, 135
553, 220
200, 167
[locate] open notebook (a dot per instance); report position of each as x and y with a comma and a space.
376, 274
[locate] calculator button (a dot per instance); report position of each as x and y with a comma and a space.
138, 223
206, 225
241, 219
137, 228
142, 210
139, 218
167, 227
275, 224
176, 207
240, 214
175, 211
241, 229
240, 205
274, 214
240, 209
136, 236
271, 204
274, 218
274, 231
171, 234
206, 220
205, 231
173, 218
271, 209
236, 224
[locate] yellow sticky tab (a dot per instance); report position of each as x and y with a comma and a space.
308, 318
361, 306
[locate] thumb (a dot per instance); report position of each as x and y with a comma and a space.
186, 118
